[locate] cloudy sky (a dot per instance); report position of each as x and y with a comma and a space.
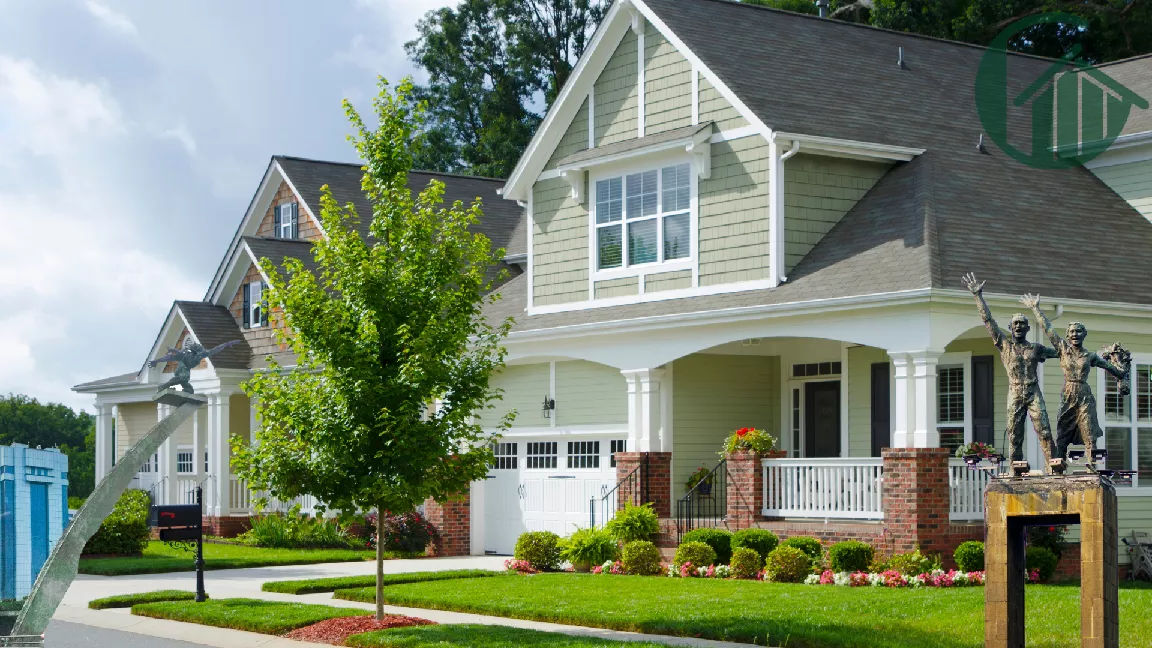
133, 134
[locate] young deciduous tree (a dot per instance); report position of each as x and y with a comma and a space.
393, 354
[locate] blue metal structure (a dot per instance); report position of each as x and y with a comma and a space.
33, 513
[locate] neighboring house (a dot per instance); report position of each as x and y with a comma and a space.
281, 222
738, 216
1126, 166
33, 513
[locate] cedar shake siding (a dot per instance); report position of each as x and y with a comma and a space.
306, 226
170, 367
261, 338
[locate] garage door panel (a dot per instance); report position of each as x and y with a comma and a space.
554, 495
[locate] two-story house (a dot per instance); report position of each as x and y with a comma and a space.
734, 216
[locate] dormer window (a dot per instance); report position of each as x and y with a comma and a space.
285, 221
643, 218
254, 315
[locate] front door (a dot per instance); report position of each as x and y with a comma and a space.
822, 419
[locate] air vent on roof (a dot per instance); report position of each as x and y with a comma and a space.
822, 7
980, 145
900, 62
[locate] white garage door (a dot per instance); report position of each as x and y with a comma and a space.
544, 485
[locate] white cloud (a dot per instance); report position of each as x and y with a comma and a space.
111, 18
181, 134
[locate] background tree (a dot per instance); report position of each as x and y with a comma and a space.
26, 420
386, 328
494, 67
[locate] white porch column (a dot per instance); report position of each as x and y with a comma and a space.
926, 435
645, 432
900, 434
104, 441
219, 456
197, 442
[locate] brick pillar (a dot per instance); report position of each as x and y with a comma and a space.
453, 520
916, 499
746, 487
655, 482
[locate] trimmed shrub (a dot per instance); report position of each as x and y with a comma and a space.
808, 545
762, 540
850, 556
787, 564
697, 553
634, 523
719, 539
588, 547
969, 556
293, 530
125, 531
411, 532
641, 558
913, 563
541, 549
1042, 560
746, 563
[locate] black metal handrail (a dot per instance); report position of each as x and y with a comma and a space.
634, 488
705, 505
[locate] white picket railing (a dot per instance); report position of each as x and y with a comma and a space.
824, 488
243, 500
966, 490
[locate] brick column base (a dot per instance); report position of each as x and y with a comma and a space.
916, 500
453, 519
655, 481
746, 487
226, 527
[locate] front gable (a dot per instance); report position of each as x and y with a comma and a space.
262, 337
306, 229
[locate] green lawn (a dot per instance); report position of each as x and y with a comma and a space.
798, 616
317, 585
128, 600
267, 617
159, 558
478, 636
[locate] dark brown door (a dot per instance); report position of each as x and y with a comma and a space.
822, 419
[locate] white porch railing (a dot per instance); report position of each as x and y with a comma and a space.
824, 488
242, 499
966, 490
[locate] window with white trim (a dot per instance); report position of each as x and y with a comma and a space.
540, 455
285, 221
1128, 423
504, 456
950, 399
184, 461
253, 311
583, 454
618, 445
151, 465
644, 218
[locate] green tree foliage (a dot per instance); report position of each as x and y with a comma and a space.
26, 420
493, 66
1116, 29
393, 358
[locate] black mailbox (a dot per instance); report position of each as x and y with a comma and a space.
176, 515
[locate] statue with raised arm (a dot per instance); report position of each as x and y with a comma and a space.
1077, 420
1020, 358
186, 360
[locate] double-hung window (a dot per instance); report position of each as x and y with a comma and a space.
644, 218
253, 312
1127, 422
950, 400
285, 221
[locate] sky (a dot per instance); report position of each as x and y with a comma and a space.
133, 134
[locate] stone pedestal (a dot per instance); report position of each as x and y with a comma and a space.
1011, 505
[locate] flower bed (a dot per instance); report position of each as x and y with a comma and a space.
892, 578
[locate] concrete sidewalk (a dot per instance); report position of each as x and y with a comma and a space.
245, 583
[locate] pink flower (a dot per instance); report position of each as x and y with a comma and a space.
893, 578
858, 579
598, 569
687, 570
827, 577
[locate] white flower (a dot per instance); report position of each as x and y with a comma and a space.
876, 580
843, 579
723, 571
607, 565
812, 579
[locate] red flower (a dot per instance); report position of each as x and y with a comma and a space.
741, 432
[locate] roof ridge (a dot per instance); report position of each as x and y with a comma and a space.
833, 21
1123, 60
360, 166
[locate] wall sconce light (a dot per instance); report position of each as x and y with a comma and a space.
549, 406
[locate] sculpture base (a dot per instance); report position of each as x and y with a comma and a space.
1012, 505
176, 398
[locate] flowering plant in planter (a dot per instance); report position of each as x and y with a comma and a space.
976, 448
701, 475
749, 439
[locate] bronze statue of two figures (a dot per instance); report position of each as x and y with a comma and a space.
1077, 421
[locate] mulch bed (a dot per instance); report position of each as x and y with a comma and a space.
336, 631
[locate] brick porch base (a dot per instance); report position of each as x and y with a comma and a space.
226, 527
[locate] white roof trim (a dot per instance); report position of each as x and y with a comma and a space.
848, 148
1134, 147
307, 209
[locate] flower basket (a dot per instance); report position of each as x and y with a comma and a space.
749, 440
701, 480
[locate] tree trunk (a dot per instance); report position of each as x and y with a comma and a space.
379, 564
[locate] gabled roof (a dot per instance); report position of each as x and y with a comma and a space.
279, 250
212, 326
114, 381
1136, 75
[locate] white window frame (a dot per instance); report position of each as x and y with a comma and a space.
255, 302
621, 171
559, 456
285, 221
598, 455
964, 361
1133, 424
191, 460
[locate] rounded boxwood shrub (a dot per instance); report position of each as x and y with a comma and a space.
125, 531
1042, 560
807, 544
641, 558
762, 540
746, 563
787, 565
913, 563
969, 556
697, 553
850, 556
541, 549
588, 547
719, 539
634, 523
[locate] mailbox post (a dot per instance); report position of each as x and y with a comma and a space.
181, 524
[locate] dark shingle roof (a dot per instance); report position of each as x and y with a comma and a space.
1136, 75
636, 144
122, 379
214, 325
926, 222
277, 250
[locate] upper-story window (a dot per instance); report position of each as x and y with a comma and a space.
643, 218
254, 313
285, 221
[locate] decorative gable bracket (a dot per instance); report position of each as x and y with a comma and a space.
702, 154
575, 179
